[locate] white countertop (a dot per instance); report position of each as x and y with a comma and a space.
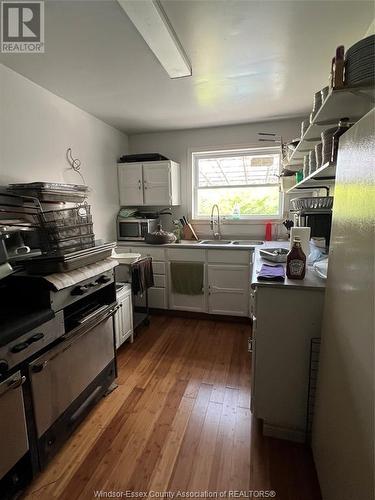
311, 280
191, 244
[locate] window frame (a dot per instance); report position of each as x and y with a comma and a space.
197, 155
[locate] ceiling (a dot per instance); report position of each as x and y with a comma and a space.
252, 60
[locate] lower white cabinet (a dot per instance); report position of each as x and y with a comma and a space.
226, 279
124, 316
228, 289
285, 320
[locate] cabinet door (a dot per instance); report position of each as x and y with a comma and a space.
157, 183
228, 290
130, 184
127, 316
182, 302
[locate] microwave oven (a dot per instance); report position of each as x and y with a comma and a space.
134, 228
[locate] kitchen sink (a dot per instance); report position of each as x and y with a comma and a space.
247, 242
231, 242
215, 242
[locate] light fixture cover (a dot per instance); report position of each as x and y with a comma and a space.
152, 23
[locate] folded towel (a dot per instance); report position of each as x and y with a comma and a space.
187, 277
271, 273
142, 275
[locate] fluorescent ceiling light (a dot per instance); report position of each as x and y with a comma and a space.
152, 23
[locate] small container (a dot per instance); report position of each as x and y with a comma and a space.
299, 176
268, 235
296, 261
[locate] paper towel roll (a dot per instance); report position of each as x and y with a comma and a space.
304, 234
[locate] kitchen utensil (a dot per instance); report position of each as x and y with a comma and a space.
160, 237
126, 258
274, 254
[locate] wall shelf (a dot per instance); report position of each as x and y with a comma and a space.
326, 172
351, 102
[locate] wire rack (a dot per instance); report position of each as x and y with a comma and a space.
60, 231
313, 379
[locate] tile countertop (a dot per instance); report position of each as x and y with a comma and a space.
190, 244
311, 281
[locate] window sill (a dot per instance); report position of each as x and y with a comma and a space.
243, 222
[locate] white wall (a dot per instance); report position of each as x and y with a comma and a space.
178, 146
37, 127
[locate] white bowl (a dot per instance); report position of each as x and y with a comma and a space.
126, 258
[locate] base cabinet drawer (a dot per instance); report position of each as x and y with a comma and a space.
157, 298
159, 280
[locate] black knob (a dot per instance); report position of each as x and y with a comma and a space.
35, 337
4, 367
79, 290
103, 279
19, 347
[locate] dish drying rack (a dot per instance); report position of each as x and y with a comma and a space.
60, 231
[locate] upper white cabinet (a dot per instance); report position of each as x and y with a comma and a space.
149, 183
130, 180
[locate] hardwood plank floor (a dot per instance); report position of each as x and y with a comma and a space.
179, 420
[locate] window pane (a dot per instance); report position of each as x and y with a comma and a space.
251, 201
238, 170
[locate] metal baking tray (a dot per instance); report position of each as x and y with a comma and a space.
48, 264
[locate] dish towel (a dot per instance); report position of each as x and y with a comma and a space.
187, 277
142, 275
271, 273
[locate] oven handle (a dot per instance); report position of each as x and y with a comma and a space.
75, 335
88, 319
14, 384
93, 314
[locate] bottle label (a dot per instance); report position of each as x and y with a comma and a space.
296, 267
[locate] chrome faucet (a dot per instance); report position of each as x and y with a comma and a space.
213, 223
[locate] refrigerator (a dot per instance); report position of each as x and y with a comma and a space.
343, 428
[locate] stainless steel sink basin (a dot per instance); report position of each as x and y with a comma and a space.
247, 242
215, 242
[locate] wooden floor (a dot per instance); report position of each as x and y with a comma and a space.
179, 420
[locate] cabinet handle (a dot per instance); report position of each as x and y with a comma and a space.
139, 184
250, 344
145, 184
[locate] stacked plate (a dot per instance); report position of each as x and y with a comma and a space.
360, 62
327, 137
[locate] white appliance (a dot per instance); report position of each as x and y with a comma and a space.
343, 428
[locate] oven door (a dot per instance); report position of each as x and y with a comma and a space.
128, 230
14, 441
59, 376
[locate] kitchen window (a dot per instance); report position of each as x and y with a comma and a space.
243, 183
